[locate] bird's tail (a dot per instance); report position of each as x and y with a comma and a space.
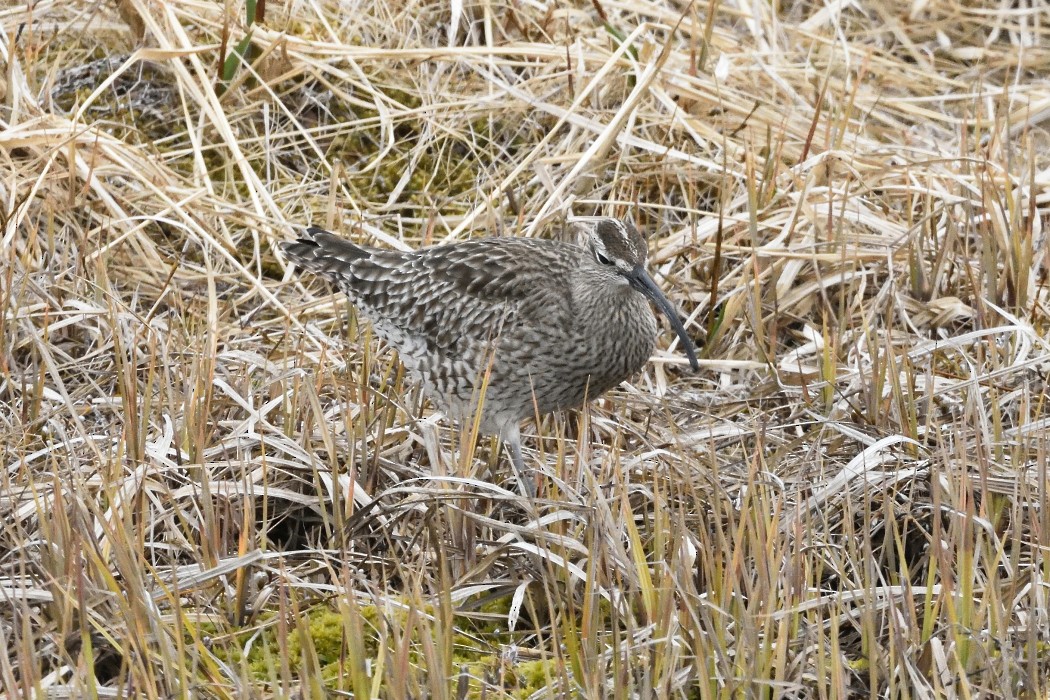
324, 253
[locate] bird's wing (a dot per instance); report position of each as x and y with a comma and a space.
448, 295
465, 292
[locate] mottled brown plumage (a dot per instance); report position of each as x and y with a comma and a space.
552, 323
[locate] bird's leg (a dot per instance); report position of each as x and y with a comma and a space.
512, 437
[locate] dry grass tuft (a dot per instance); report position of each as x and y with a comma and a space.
215, 484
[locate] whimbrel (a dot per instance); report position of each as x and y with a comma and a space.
542, 325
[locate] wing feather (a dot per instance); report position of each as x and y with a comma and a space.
451, 295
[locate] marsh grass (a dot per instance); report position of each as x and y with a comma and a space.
217, 483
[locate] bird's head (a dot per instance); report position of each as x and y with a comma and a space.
620, 252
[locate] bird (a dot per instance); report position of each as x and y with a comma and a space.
512, 327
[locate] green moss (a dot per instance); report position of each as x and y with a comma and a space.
534, 675
498, 606
479, 642
520, 680
324, 628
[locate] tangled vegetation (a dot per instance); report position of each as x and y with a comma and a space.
217, 483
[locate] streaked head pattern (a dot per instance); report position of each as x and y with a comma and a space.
618, 246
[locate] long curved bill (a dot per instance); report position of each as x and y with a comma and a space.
644, 283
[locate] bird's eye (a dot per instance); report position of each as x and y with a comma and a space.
601, 258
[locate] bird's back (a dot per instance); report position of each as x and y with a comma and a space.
502, 306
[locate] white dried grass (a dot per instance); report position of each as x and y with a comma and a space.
849, 205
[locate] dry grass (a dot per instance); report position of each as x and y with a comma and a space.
215, 484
